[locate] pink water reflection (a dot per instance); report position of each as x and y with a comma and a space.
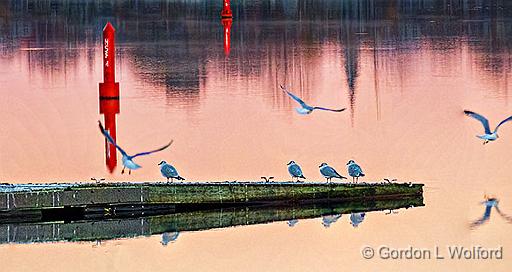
230, 121
236, 127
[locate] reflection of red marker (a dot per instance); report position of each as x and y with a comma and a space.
109, 108
226, 22
109, 93
109, 88
226, 10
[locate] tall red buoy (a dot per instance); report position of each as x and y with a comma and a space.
226, 22
226, 10
109, 94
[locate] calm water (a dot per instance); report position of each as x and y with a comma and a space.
404, 69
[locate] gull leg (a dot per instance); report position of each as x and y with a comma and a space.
122, 171
129, 171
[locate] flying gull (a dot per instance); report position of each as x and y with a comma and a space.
305, 108
127, 159
488, 136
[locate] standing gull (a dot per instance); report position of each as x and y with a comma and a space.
354, 170
329, 172
488, 136
295, 171
305, 108
169, 172
127, 159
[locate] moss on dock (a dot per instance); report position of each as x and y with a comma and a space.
246, 192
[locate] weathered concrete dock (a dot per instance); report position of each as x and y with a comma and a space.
78, 201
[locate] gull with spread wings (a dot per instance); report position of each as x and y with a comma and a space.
489, 135
127, 159
305, 108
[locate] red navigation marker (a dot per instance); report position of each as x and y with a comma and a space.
109, 93
109, 88
226, 22
109, 53
226, 9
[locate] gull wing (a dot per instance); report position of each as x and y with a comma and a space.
355, 170
109, 139
326, 109
502, 122
505, 216
295, 170
329, 171
153, 151
480, 118
337, 174
483, 219
169, 171
296, 98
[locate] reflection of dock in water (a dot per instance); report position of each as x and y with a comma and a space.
65, 202
104, 228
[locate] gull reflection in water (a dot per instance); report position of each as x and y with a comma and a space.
356, 219
292, 222
390, 211
169, 237
490, 203
327, 220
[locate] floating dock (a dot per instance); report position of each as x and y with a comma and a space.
81, 201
